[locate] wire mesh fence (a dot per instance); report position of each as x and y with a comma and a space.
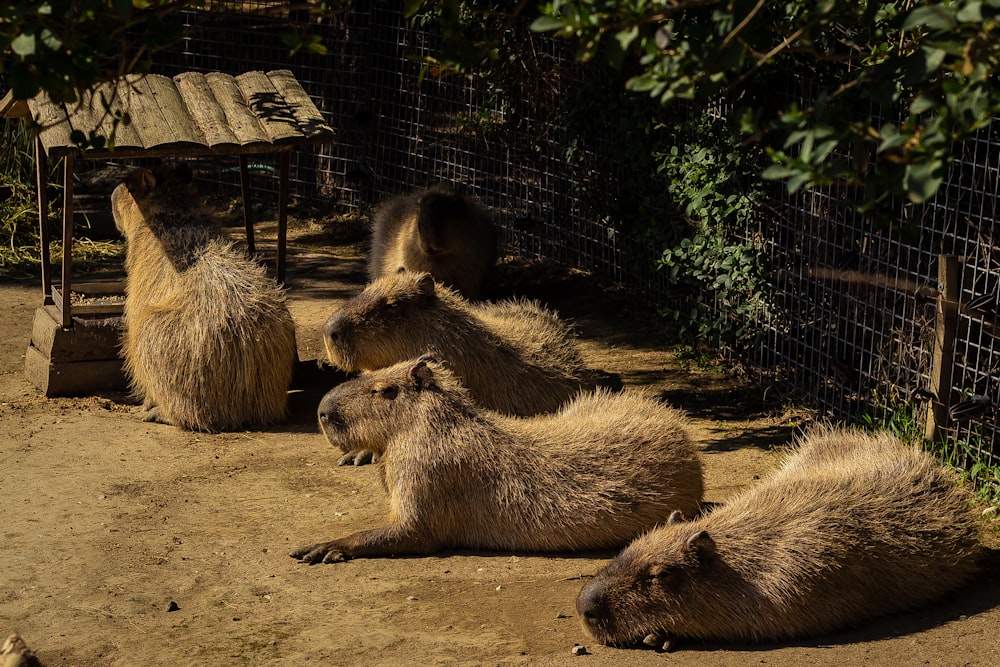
854, 303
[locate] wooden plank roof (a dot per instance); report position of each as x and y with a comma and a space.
189, 114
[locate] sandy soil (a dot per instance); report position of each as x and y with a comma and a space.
127, 543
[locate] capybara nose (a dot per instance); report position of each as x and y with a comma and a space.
590, 603
328, 414
334, 327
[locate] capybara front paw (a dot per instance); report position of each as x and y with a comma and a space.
154, 415
324, 552
358, 457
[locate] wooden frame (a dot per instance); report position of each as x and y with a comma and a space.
189, 115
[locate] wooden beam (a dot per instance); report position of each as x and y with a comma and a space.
67, 242
44, 237
247, 213
943, 362
283, 168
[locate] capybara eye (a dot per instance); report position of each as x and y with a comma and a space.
388, 393
660, 573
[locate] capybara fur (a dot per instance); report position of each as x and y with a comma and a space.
852, 525
513, 356
599, 472
208, 341
437, 231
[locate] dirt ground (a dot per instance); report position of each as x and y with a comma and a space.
126, 543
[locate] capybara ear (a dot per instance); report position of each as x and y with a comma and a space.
426, 284
183, 173
702, 544
140, 182
421, 374
675, 517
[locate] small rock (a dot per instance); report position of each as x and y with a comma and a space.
412, 598
172, 606
579, 649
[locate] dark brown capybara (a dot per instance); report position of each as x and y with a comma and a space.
513, 356
604, 469
852, 525
209, 343
437, 231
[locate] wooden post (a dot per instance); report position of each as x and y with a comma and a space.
247, 215
942, 363
67, 258
283, 168
41, 182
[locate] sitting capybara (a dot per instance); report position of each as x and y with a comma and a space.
852, 526
599, 472
438, 231
513, 356
209, 343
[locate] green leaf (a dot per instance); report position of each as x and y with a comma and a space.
932, 17
412, 7
971, 13
922, 180
24, 44
546, 23
50, 40
626, 37
776, 172
921, 104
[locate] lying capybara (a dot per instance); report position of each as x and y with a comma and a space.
602, 470
851, 526
437, 231
209, 343
513, 356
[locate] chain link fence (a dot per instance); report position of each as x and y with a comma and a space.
853, 303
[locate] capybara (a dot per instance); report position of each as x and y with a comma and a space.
602, 470
209, 343
513, 356
437, 231
851, 526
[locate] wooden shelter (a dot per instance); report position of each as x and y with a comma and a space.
189, 115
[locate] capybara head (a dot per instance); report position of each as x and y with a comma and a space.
441, 209
144, 191
368, 411
382, 325
649, 583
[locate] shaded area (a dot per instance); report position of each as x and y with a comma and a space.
975, 597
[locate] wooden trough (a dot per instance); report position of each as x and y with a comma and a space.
74, 345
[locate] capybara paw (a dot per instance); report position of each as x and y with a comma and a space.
324, 552
153, 415
358, 457
660, 641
